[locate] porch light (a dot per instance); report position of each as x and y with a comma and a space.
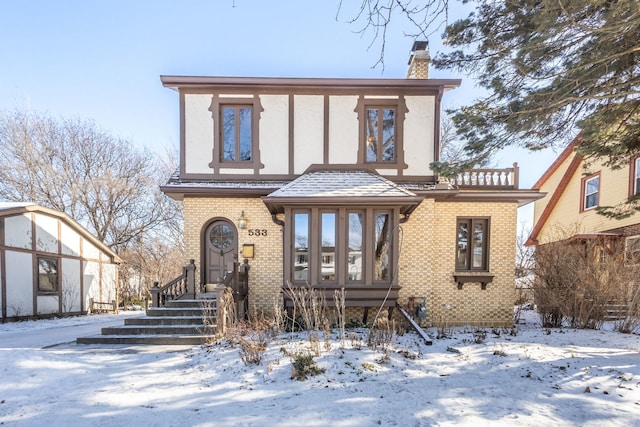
242, 222
248, 250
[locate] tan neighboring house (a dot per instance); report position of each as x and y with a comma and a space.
574, 190
50, 265
326, 183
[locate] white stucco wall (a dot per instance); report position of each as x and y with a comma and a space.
46, 233
198, 133
308, 131
419, 135
108, 282
89, 250
19, 281
17, 231
343, 130
91, 281
70, 240
70, 285
47, 304
274, 134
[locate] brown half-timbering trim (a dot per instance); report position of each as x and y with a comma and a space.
325, 131
183, 141
311, 85
437, 123
256, 111
59, 237
291, 134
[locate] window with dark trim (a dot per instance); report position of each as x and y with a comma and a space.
47, 274
342, 246
632, 250
472, 247
381, 131
634, 187
590, 192
235, 143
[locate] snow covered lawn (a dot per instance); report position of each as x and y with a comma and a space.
562, 378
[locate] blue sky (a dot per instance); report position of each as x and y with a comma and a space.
101, 59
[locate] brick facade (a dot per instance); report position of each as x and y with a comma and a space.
426, 266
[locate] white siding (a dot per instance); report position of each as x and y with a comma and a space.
274, 134
19, 276
46, 233
308, 131
17, 231
70, 285
419, 135
70, 240
343, 130
198, 134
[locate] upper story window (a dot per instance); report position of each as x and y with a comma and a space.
590, 192
472, 248
235, 137
381, 132
236, 133
634, 188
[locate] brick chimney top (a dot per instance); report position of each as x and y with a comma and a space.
419, 61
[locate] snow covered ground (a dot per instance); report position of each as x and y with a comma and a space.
563, 378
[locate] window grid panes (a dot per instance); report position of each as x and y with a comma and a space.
382, 246
221, 236
591, 190
354, 243
328, 233
47, 274
236, 133
381, 134
301, 246
472, 244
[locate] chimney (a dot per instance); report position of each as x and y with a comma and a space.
419, 61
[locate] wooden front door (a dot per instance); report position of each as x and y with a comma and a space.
221, 246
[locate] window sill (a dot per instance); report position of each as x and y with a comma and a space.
482, 278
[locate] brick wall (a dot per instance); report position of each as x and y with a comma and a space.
427, 264
265, 275
427, 259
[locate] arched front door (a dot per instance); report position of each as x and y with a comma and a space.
221, 247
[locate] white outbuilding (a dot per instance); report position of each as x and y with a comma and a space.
50, 265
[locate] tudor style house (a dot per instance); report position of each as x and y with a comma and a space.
51, 265
327, 183
575, 189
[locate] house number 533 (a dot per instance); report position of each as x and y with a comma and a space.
257, 232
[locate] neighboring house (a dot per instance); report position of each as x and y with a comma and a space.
50, 264
575, 189
327, 183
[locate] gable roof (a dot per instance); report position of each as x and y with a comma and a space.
559, 190
18, 208
342, 187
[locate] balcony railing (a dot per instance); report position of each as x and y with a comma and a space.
506, 178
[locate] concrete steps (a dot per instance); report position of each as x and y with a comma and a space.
181, 322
